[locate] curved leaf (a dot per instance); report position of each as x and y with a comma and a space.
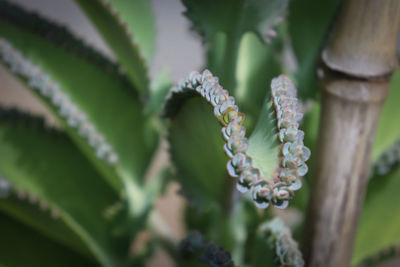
196, 150
35, 214
45, 164
21, 246
100, 113
271, 169
111, 20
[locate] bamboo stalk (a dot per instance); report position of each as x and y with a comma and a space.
357, 66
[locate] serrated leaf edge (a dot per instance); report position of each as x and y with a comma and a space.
294, 154
388, 161
41, 82
63, 38
135, 44
55, 212
280, 238
381, 256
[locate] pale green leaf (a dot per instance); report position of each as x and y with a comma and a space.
121, 40
389, 127
380, 217
139, 18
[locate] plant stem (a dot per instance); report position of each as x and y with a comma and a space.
358, 63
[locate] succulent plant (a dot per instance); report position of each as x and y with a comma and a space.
80, 193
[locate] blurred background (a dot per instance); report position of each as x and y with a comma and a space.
177, 49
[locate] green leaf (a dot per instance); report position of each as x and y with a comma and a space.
222, 24
160, 86
196, 151
383, 257
276, 146
389, 127
140, 21
122, 138
380, 217
116, 31
257, 64
238, 16
264, 146
21, 246
271, 169
45, 164
35, 214
309, 22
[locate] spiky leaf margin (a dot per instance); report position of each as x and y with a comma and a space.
223, 23
37, 214
81, 90
279, 236
138, 19
43, 163
273, 181
116, 33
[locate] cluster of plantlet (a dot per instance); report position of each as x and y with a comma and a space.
278, 186
91, 173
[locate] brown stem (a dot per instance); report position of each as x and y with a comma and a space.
365, 40
357, 65
349, 117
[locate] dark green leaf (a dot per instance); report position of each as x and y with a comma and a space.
110, 107
21, 246
35, 214
196, 148
45, 164
309, 22
223, 23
